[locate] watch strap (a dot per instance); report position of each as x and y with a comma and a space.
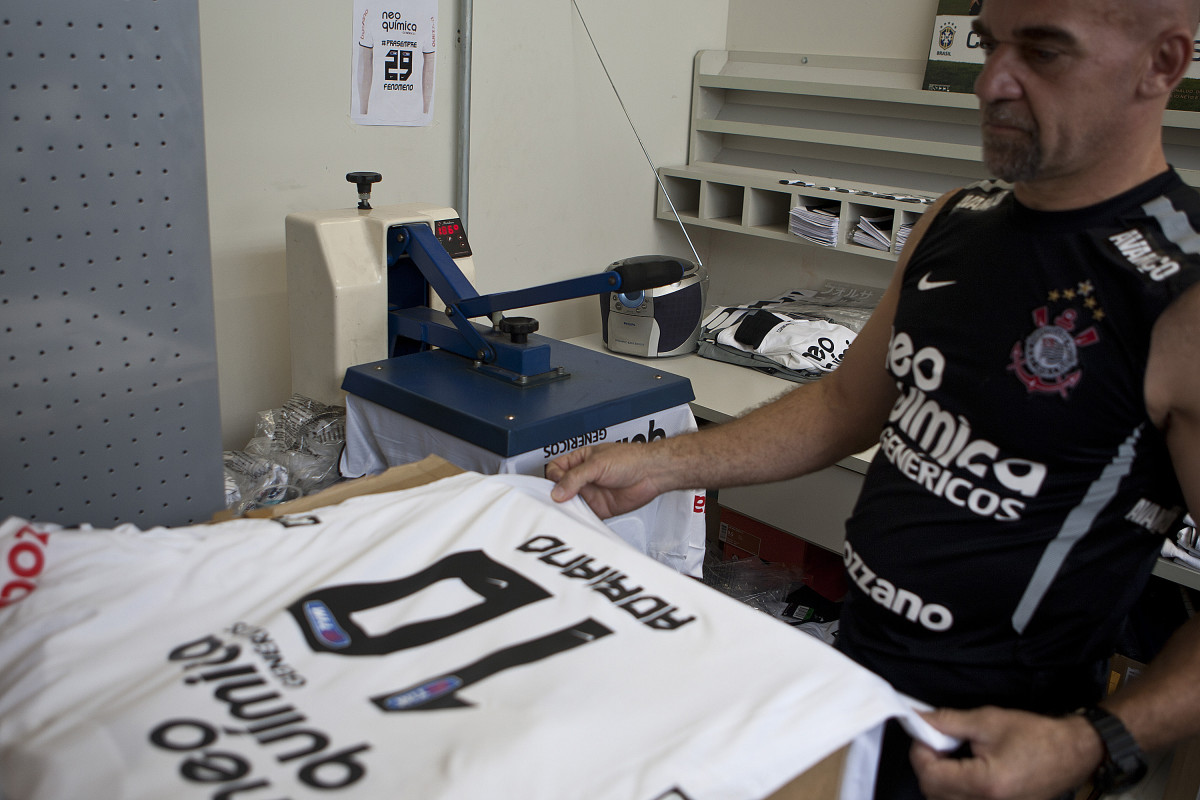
1124, 763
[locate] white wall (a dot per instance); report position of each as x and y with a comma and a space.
279, 139
892, 29
559, 186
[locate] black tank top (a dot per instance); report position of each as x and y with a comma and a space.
1020, 494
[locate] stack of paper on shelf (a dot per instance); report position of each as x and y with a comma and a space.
902, 235
870, 232
816, 224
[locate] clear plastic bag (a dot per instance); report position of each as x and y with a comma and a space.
754, 582
250, 476
294, 452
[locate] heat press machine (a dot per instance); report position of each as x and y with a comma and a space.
381, 306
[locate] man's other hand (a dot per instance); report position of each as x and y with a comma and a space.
1014, 755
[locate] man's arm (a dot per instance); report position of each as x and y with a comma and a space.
1163, 705
807, 429
1026, 753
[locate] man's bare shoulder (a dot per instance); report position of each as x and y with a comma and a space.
1173, 373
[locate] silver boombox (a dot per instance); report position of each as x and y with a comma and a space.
664, 321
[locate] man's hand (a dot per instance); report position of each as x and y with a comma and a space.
612, 479
1014, 755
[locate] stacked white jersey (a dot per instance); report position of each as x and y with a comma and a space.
468, 638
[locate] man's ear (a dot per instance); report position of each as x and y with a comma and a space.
1169, 61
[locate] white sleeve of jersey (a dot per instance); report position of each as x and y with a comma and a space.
366, 33
429, 36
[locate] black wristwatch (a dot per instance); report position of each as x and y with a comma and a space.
1124, 763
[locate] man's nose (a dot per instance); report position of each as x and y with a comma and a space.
998, 80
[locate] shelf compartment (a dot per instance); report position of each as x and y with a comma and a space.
821, 207
684, 196
768, 209
906, 222
883, 220
722, 202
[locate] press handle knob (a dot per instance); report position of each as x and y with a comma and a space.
518, 328
363, 181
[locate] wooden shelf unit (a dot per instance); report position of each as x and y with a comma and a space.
860, 124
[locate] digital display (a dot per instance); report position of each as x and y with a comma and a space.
452, 236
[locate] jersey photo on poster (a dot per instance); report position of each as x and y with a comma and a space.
392, 66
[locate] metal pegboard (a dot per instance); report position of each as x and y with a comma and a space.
108, 382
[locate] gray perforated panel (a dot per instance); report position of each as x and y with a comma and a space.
108, 400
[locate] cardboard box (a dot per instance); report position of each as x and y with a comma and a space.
823, 781
405, 476
1121, 670
743, 537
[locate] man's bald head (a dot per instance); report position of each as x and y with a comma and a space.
1149, 18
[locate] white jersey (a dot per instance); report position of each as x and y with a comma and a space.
669, 529
467, 638
397, 37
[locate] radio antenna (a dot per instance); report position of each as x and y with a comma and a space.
645, 152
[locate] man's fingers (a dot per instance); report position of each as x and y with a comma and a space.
563, 490
568, 474
949, 721
943, 777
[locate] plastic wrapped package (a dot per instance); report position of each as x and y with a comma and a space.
250, 479
311, 471
799, 335
294, 452
754, 582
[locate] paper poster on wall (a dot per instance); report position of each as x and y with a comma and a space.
394, 49
954, 55
955, 58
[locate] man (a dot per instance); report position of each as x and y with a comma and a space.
1031, 372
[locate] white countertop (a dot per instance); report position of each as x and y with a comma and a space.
723, 391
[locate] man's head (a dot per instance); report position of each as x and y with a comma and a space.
1075, 87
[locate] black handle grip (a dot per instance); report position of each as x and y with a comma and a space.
646, 272
363, 180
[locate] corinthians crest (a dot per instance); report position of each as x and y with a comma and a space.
1047, 360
